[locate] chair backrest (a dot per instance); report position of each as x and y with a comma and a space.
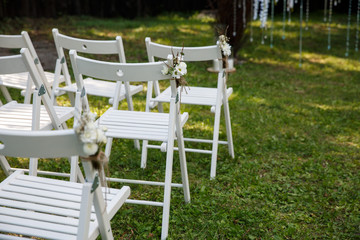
191, 54
55, 144
40, 144
85, 46
24, 41
25, 63
127, 72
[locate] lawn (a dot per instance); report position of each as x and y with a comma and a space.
296, 133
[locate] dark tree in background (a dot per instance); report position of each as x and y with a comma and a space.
98, 8
235, 16
227, 12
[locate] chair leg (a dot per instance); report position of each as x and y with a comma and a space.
131, 108
144, 154
167, 190
182, 157
74, 168
215, 141
6, 93
5, 165
99, 205
33, 166
108, 147
228, 127
157, 93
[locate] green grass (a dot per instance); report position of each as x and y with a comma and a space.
296, 134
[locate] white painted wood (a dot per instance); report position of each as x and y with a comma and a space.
19, 80
196, 95
5, 165
85, 211
8, 237
35, 125
182, 155
169, 165
228, 126
5, 93
31, 116
49, 208
27, 231
94, 86
138, 125
143, 202
215, 144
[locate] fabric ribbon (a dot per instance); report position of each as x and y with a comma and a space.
99, 162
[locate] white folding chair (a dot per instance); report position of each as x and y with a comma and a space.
21, 80
213, 97
33, 116
94, 87
140, 125
53, 209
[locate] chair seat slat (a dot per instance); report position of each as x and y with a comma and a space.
28, 190
39, 216
38, 225
40, 200
20, 116
102, 88
19, 80
40, 208
194, 96
35, 232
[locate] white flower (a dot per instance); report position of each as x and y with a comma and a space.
90, 148
165, 70
222, 39
89, 134
176, 74
89, 116
226, 49
101, 138
181, 68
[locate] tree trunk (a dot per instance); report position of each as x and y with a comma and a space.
234, 16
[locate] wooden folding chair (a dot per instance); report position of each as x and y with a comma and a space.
53, 209
33, 116
140, 125
213, 97
21, 80
94, 87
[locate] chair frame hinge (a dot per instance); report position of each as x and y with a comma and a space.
36, 60
95, 183
83, 92
177, 97
62, 60
42, 90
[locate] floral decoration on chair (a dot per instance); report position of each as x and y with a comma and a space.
224, 45
93, 138
225, 49
177, 70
